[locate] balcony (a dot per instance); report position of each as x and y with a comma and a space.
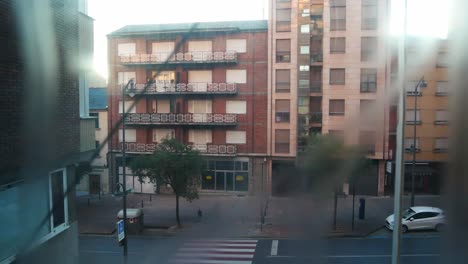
202, 119
162, 88
316, 57
194, 57
316, 117
315, 86
208, 149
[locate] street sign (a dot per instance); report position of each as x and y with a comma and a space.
120, 230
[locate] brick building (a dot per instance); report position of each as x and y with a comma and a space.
208, 89
328, 76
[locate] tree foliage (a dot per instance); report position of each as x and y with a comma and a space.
174, 164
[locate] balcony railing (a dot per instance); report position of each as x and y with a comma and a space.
316, 56
177, 58
180, 119
316, 117
315, 86
209, 149
184, 88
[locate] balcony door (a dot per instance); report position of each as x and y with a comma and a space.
163, 50
164, 80
199, 80
200, 109
200, 139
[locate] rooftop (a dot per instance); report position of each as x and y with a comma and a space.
246, 25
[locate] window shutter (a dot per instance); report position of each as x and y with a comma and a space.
236, 107
130, 135
200, 46
236, 76
126, 49
124, 77
442, 115
239, 45
128, 104
282, 106
235, 137
163, 106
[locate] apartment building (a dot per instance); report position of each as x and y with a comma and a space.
427, 116
328, 75
206, 85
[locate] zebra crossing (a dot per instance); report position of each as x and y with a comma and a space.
240, 251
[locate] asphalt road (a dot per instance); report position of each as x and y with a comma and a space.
418, 248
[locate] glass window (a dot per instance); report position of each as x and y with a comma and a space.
305, 28
236, 107
369, 15
224, 165
337, 45
130, 135
126, 49
238, 165
368, 80
283, 81
337, 18
410, 116
409, 143
282, 141
337, 106
96, 119
369, 48
235, 137
337, 76
407, 213
283, 50
238, 45
367, 141
58, 199
159, 134
236, 76
245, 166
305, 49
128, 107
282, 111
442, 116
283, 20
304, 68
441, 144
442, 88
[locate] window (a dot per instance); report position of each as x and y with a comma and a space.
238, 45
337, 45
97, 144
199, 106
412, 90
337, 15
442, 60
442, 88
200, 137
282, 111
305, 28
58, 199
161, 106
126, 49
409, 144
204, 45
316, 10
367, 141
282, 140
283, 20
303, 67
283, 81
369, 15
304, 49
338, 134
283, 50
124, 77
96, 119
200, 79
160, 134
441, 144
337, 107
337, 76
305, 12
164, 49
236, 76
442, 117
128, 104
235, 137
368, 80
368, 113
236, 107
410, 117
130, 135
368, 48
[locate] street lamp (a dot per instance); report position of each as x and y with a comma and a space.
124, 176
421, 84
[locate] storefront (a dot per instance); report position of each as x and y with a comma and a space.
226, 175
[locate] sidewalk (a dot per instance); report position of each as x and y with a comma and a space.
304, 217
222, 215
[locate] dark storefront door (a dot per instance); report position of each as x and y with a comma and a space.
220, 180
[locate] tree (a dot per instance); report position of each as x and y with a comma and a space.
174, 164
329, 163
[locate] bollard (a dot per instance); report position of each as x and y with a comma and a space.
141, 203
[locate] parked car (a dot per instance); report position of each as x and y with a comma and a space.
419, 217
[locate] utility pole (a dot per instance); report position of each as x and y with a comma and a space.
400, 168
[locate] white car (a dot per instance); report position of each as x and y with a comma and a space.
419, 217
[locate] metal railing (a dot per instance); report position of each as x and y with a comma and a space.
181, 119
316, 56
134, 147
190, 57
316, 117
161, 87
315, 86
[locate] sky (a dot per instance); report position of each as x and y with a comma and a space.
425, 17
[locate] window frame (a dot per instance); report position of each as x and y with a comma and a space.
331, 82
65, 224
244, 135
333, 41
364, 85
242, 111
336, 113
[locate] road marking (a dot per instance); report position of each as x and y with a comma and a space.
274, 248
108, 252
213, 251
361, 256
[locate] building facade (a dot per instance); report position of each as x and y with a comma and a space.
206, 85
328, 75
427, 116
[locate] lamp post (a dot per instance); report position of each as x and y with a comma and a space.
421, 84
124, 176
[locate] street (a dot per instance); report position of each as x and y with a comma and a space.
416, 248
